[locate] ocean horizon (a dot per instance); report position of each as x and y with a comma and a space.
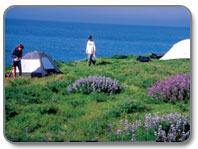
66, 41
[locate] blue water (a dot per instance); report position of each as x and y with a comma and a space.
67, 41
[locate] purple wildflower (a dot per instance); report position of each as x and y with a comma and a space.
27, 130
126, 123
128, 98
110, 126
118, 132
69, 88
95, 84
47, 137
174, 88
167, 128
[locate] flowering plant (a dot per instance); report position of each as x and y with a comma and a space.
168, 128
171, 89
95, 84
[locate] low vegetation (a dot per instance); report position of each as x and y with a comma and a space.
42, 109
171, 89
168, 128
98, 84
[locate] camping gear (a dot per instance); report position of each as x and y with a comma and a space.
37, 64
155, 56
180, 50
143, 59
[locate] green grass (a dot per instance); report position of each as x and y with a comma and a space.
43, 106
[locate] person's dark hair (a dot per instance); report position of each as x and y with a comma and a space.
90, 37
20, 46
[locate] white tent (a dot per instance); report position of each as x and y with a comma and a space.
37, 64
180, 50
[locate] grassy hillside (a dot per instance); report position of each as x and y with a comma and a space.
40, 109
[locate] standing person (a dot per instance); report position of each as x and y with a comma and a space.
16, 56
91, 50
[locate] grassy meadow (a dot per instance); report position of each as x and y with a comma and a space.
40, 109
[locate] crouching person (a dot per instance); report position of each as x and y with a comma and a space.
16, 56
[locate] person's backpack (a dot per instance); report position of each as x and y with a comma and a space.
143, 59
155, 56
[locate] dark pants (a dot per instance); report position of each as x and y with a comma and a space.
17, 64
90, 60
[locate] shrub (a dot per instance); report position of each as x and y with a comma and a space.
125, 131
10, 111
76, 103
26, 95
126, 107
115, 113
56, 86
19, 81
48, 109
168, 128
96, 126
8, 69
97, 84
146, 83
132, 107
59, 63
174, 88
100, 97
132, 57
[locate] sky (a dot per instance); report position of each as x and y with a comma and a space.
156, 16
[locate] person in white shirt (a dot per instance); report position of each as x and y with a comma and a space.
90, 50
